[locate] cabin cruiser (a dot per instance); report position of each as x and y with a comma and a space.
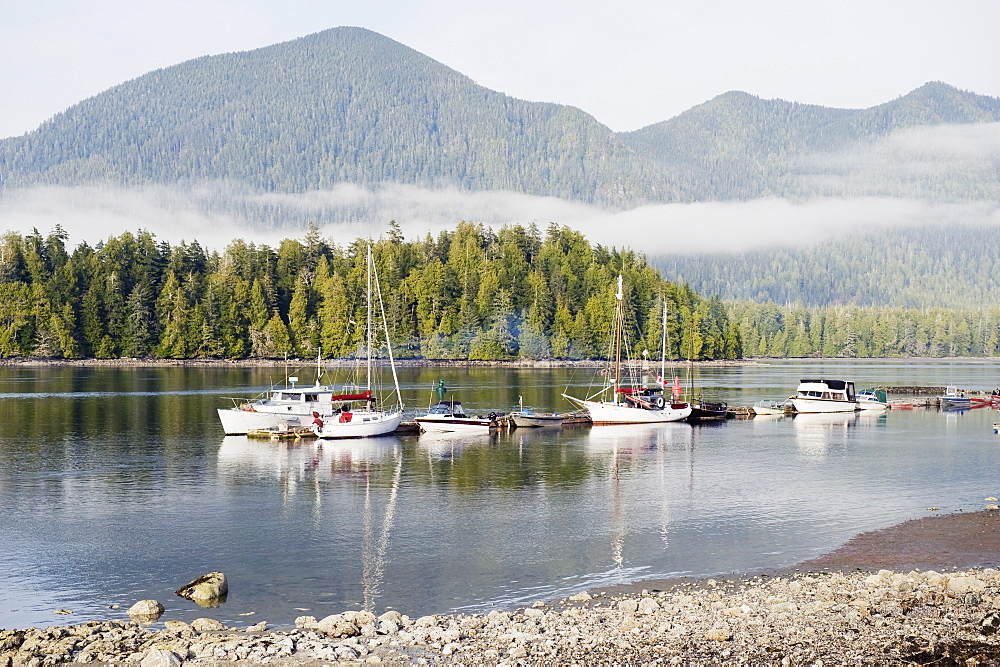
287, 406
872, 399
825, 396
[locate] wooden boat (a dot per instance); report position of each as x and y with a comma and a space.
628, 405
708, 411
825, 396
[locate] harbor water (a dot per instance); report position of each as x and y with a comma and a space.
117, 485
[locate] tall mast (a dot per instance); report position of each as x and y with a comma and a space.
368, 319
619, 314
663, 344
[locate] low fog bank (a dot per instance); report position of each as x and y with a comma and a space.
216, 214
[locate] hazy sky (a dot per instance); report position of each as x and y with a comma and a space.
628, 63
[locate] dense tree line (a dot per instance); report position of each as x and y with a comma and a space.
768, 330
471, 293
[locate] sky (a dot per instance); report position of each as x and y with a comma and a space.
629, 64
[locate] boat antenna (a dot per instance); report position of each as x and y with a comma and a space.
319, 365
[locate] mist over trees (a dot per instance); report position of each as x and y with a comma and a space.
468, 294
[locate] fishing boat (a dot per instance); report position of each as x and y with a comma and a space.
872, 399
954, 399
825, 396
285, 407
361, 414
627, 404
529, 419
769, 407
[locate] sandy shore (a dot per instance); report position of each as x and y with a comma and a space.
921, 592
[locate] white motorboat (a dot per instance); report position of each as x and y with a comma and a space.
769, 407
872, 399
371, 420
825, 396
450, 417
628, 405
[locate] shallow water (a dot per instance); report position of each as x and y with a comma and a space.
117, 485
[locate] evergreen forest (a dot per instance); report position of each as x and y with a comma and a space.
471, 293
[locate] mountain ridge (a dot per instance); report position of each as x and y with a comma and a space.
348, 105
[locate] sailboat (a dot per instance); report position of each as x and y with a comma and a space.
628, 405
360, 415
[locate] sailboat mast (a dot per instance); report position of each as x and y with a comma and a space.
368, 319
619, 315
663, 345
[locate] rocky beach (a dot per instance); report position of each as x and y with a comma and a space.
921, 592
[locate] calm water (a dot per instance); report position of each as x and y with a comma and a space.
117, 485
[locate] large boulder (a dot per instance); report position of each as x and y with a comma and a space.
209, 590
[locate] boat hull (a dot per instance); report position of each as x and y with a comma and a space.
240, 422
818, 405
708, 412
871, 405
524, 420
617, 413
444, 424
361, 425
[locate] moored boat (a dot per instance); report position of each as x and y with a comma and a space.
287, 406
528, 419
371, 419
825, 396
628, 405
769, 407
954, 399
708, 411
449, 416
872, 399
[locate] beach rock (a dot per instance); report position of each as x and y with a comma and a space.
582, 596
207, 625
335, 625
158, 657
145, 611
963, 585
208, 590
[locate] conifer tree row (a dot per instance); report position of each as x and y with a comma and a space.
471, 293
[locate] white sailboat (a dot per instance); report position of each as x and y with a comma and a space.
361, 414
628, 405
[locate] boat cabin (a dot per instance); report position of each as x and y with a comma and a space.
830, 390
452, 408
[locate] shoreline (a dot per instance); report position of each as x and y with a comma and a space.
920, 591
339, 363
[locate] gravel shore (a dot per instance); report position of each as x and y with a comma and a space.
892, 596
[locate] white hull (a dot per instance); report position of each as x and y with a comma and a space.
444, 424
772, 408
823, 405
617, 413
871, 405
362, 425
240, 422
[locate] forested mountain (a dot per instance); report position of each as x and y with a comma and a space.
468, 294
952, 266
738, 146
342, 106
348, 105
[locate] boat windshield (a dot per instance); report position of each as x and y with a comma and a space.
448, 408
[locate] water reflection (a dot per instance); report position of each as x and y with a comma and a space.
815, 432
